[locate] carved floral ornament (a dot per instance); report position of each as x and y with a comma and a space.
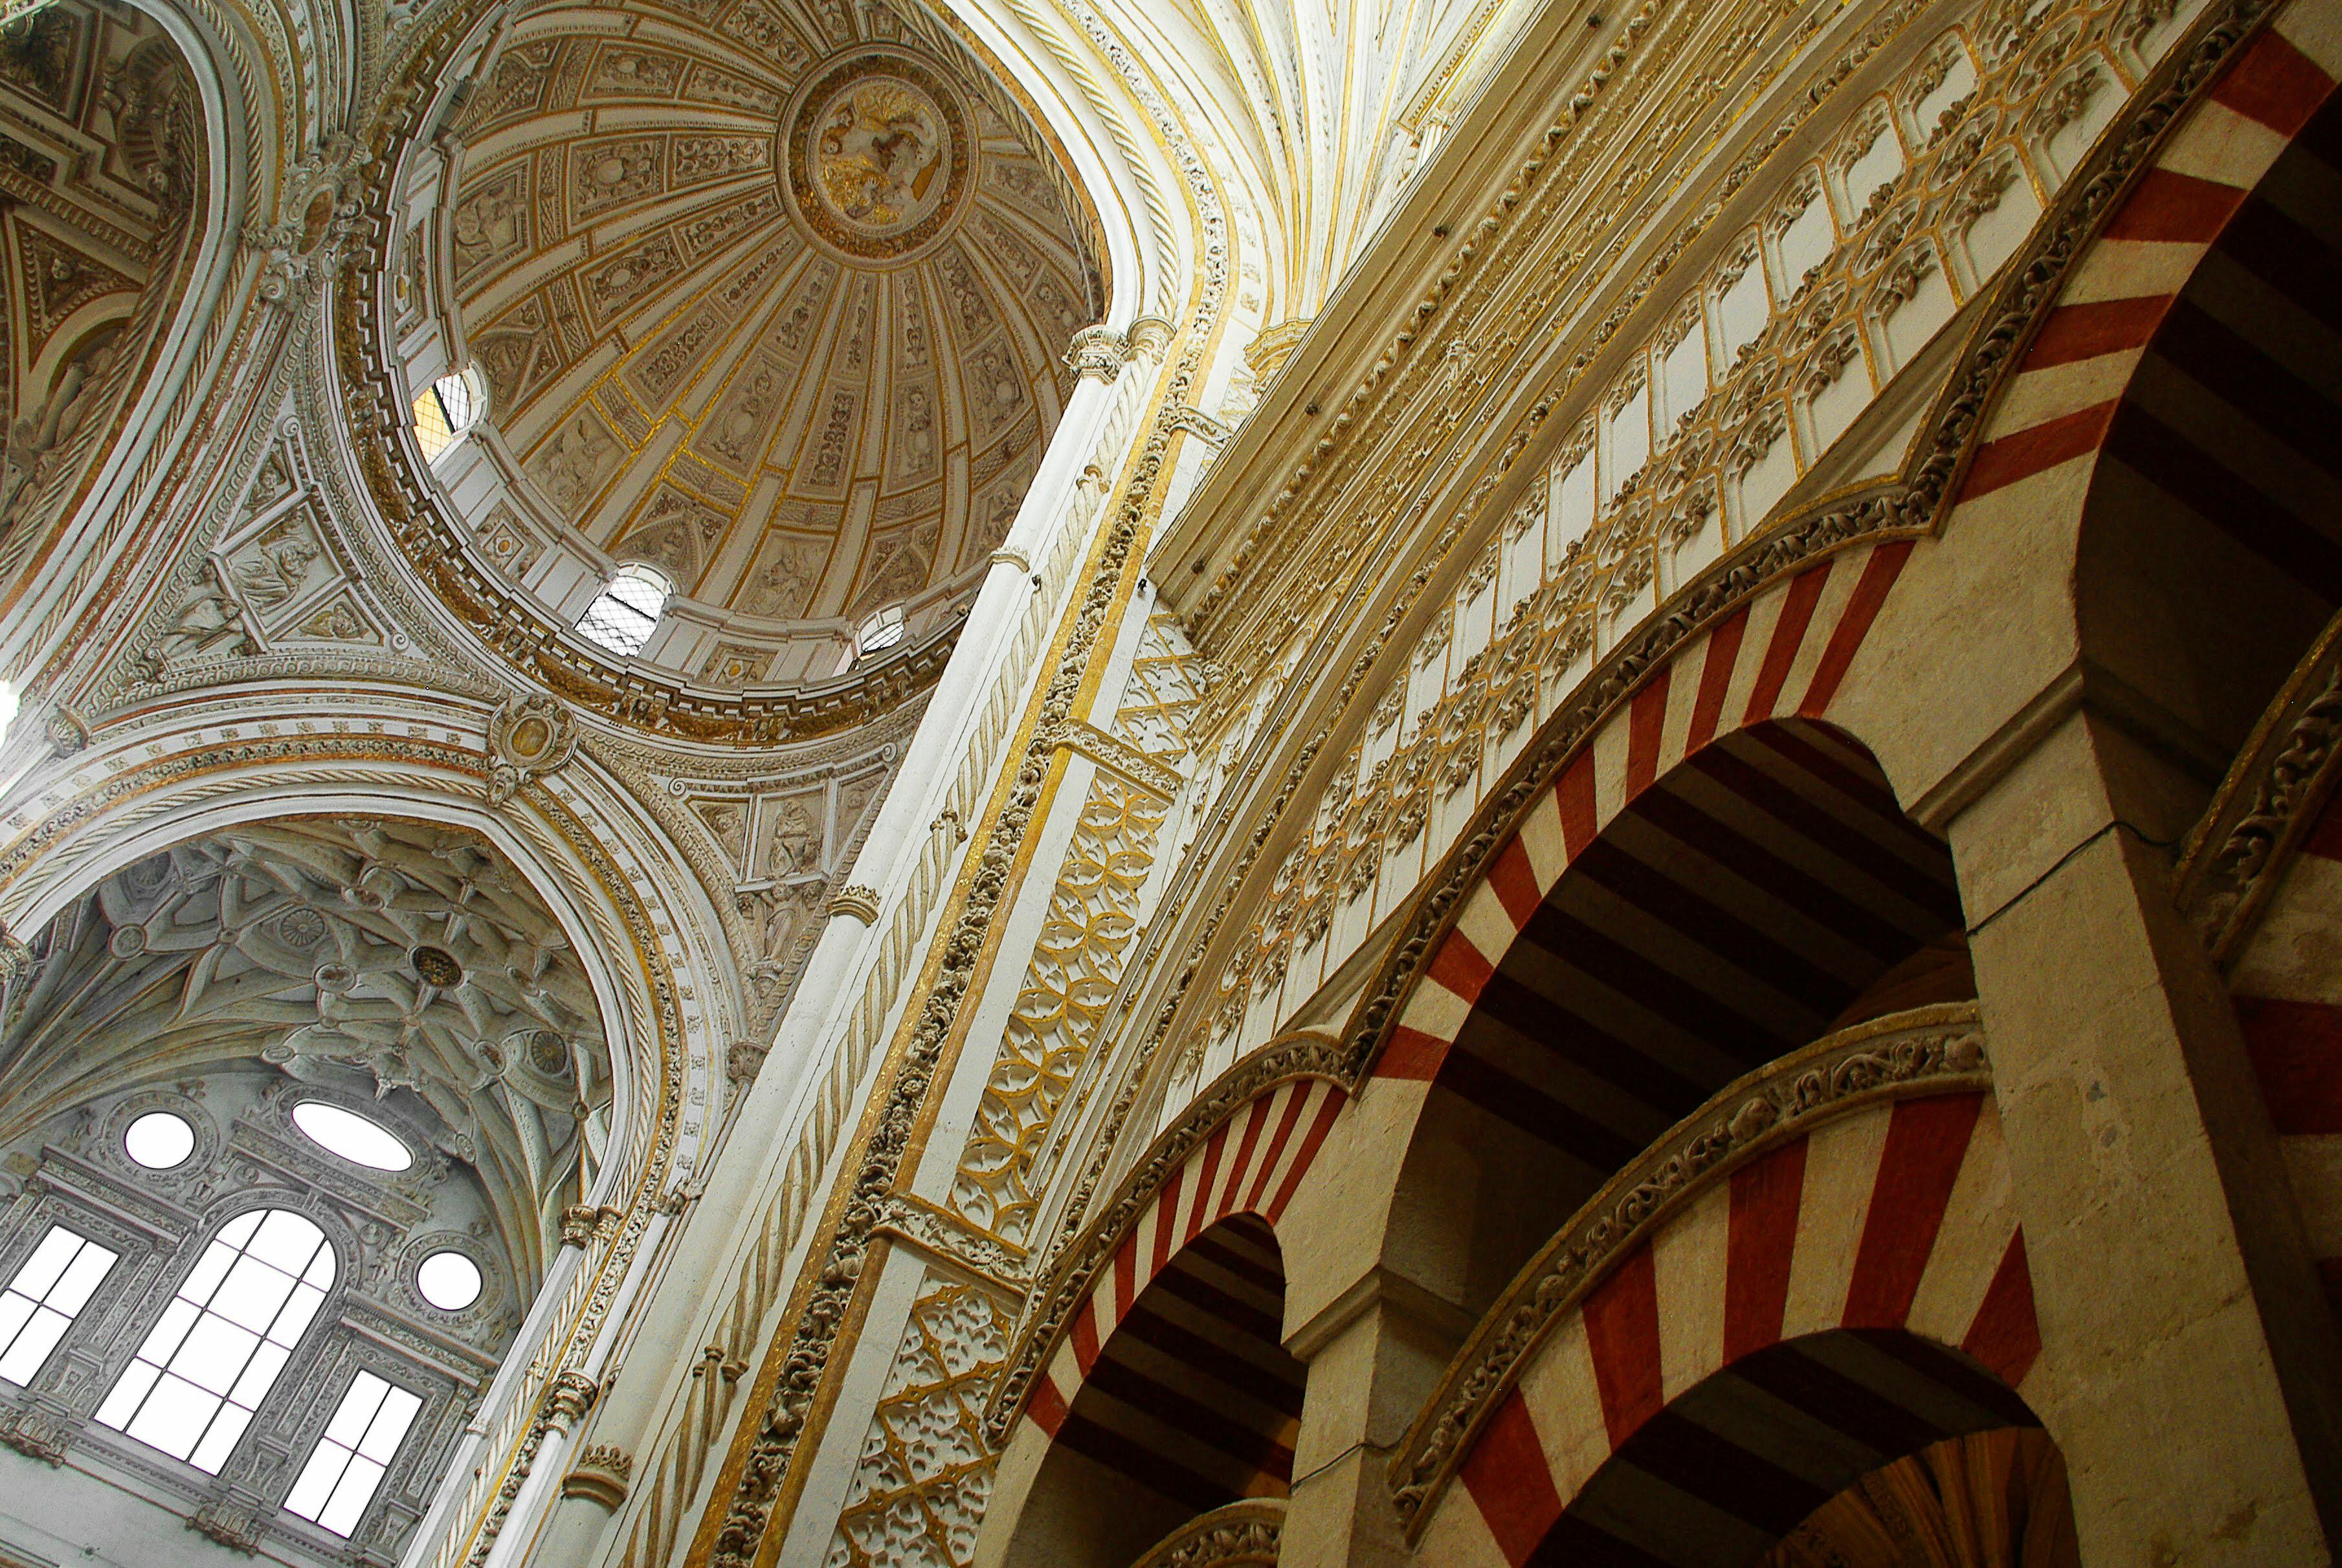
1915, 504
1241, 1535
1350, 474
795, 1367
2236, 855
528, 737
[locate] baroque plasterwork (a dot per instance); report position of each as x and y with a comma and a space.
108, 795
753, 1480
722, 705
1910, 503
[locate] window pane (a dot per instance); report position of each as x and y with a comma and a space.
14, 1310
637, 595
72, 1293
135, 1380
31, 1345
47, 1262
173, 1416
205, 1366
252, 1294
317, 1482
51, 1287
287, 1240
357, 1410
213, 1452
296, 1314
260, 1377
214, 1354
168, 1331
350, 1498
346, 1467
208, 1270
389, 1428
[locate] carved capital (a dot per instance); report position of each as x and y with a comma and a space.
600, 1475
743, 1061
858, 902
573, 1393
1149, 337
1097, 352
582, 1224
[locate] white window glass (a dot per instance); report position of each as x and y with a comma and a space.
621, 617
357, 1139
448, 1281
49, 1291
448, 407
350, 1459
880, 629
227, 1332
159, 1140
1683, 373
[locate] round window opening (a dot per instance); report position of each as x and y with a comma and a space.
448, 1281
159, 1140
352, 1136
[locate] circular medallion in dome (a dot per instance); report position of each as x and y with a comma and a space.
878, 154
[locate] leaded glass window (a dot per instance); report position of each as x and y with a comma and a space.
231, 1327
49, 1291
354, 1452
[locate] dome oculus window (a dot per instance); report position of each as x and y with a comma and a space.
40, 1304
352, 1136
446, 409
624, 614
448, 1281
233, 1323
159, 1141
352, 1457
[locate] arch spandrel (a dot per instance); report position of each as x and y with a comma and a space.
1246, 1149
1888, 1212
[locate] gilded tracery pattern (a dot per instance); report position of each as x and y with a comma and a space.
914, 1504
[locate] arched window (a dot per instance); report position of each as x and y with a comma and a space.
625, 611
215, 1352
447, 408
881, 628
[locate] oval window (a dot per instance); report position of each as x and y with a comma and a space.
448, 1281
352, 1136
159, 1140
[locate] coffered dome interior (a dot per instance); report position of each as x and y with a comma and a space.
769, 295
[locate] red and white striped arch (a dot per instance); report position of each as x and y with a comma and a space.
2060, 406
1897, 1216
1251, 1163
1786, 653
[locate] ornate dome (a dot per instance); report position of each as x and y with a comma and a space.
772, 298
